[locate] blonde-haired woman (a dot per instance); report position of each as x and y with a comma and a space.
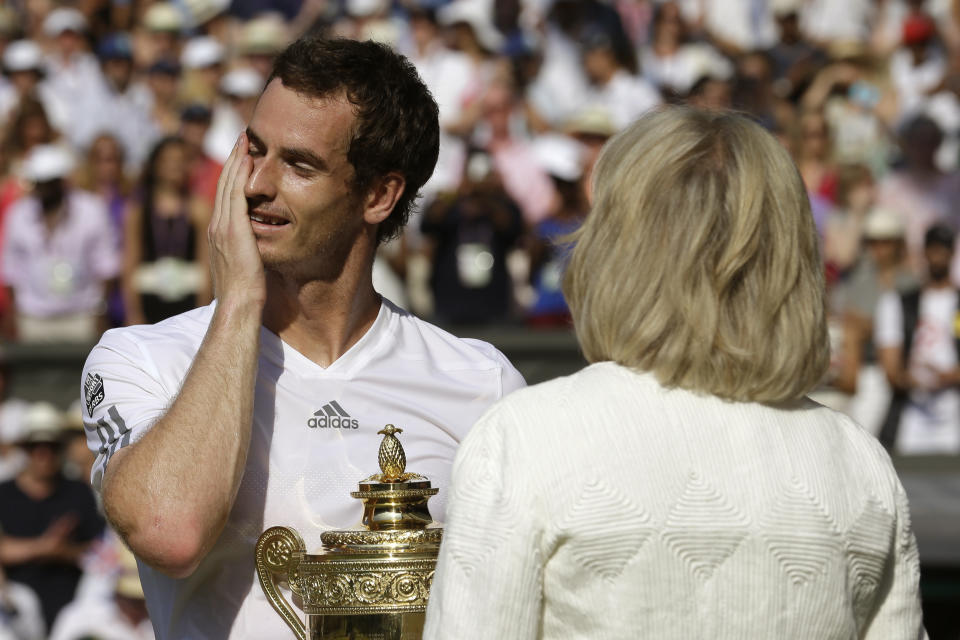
681, 486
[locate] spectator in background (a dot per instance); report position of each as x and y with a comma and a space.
562, 158
711, 92
879, 269
29, 127
159, 38
624, 95
103, 175
753, 91
920, 352
470, 31
239, 90
843, 235
163, 80
814, 148
123, 106
20, 615
736, 26
77, 457
122, 615
918, 67
203, 170
812, 153
673, 63
23, 65
74, 77
165, 247
917, 189
471, 233
559, 88
795, 60
943, 107
500, 132
48, 521
448, 75
591, 127
59, 254
202, 61
12, 458
851, 96
261, 39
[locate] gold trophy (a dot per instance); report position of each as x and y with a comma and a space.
368, 583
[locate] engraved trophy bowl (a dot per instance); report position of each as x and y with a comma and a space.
367, 583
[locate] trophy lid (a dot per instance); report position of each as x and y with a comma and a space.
395, 513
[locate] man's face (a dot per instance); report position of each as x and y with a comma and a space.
304, 212
939, 258
43, 459
118, 71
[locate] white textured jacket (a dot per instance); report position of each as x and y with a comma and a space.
604, 505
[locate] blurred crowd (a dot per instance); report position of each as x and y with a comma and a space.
115, 119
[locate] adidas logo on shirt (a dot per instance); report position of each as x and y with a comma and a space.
332, 416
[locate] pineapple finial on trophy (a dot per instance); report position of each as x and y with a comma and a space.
392, 459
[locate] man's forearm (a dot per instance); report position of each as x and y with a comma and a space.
15, 551
169, 494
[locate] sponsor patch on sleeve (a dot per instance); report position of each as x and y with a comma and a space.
92, 392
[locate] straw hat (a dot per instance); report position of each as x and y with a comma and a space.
266, 34
883, 224
163, 17
42, 422
128, 579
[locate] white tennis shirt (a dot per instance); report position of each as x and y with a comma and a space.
314, 437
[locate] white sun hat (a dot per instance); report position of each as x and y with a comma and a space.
559, 155
477, 15
47, 162
22, 55
64, 19
201, 52
242, 83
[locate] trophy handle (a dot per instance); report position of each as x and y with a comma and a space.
279, 550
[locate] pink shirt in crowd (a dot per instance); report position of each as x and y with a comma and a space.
59, 272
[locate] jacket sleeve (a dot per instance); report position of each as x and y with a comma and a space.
488, 582
898, 615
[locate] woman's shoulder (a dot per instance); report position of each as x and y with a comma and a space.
597, 380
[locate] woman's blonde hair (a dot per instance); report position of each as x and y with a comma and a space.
699, 260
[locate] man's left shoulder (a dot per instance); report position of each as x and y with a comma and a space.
441, 350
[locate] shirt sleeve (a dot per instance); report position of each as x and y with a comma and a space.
122, 399
488, 581
511, 379
888, 324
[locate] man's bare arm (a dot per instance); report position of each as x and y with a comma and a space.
169, 494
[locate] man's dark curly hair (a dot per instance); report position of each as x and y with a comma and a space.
397, 120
